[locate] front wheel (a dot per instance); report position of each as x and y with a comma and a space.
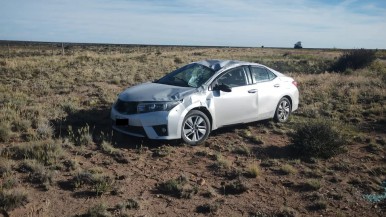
195, 127
283, 110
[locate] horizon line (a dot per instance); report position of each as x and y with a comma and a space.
2, 42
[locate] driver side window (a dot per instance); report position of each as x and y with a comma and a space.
233, 78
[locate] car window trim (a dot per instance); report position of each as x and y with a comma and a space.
249, 75
246, 74
268, 71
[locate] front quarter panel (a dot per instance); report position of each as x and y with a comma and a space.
189, 103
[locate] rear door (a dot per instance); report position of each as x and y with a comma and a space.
269, 91
239, 105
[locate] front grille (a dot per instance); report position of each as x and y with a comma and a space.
127, 108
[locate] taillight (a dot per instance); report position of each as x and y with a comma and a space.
295, 83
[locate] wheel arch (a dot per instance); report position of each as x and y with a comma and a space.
206, 112
196, 136
289, 99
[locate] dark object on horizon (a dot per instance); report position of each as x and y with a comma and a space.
298, 45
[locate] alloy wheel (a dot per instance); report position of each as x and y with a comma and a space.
195, 128
283, 110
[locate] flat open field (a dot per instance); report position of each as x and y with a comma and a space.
59, 156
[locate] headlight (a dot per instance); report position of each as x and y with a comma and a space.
156, 106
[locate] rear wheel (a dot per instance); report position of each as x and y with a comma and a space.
283, 110
195, 127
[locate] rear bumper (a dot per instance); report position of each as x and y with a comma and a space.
295, 101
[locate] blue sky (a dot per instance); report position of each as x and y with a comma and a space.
272, 23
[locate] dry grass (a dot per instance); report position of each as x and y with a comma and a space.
46, 83
5, 167
348, 98
221, 163
253, 171
97, 184
54, 111
287, 169
178, 187
37, 173
10, 200
47, 152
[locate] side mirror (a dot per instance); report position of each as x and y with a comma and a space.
222, 87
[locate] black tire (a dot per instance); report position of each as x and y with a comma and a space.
283, 110
195, 127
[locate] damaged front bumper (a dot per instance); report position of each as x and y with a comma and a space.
153, 125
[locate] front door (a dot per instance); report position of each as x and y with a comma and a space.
237, 106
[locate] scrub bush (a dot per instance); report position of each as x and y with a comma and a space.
109, 149
354, 59
317, 139
235, 187
242, 150
38, 174
97, 184
209, 207
46, 152
5, 167
12, 200
311, 185
5, 132
99, 210
172, 186
318, 205
178, 187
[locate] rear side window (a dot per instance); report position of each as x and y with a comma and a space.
260, 74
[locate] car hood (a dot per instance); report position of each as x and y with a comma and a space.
155, 92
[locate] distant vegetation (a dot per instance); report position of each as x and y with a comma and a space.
354, 59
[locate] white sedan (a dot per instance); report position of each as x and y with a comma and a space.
195, 99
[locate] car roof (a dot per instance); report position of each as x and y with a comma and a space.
221, 65
217, 65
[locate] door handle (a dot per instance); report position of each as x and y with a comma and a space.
276, 85
252, 91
